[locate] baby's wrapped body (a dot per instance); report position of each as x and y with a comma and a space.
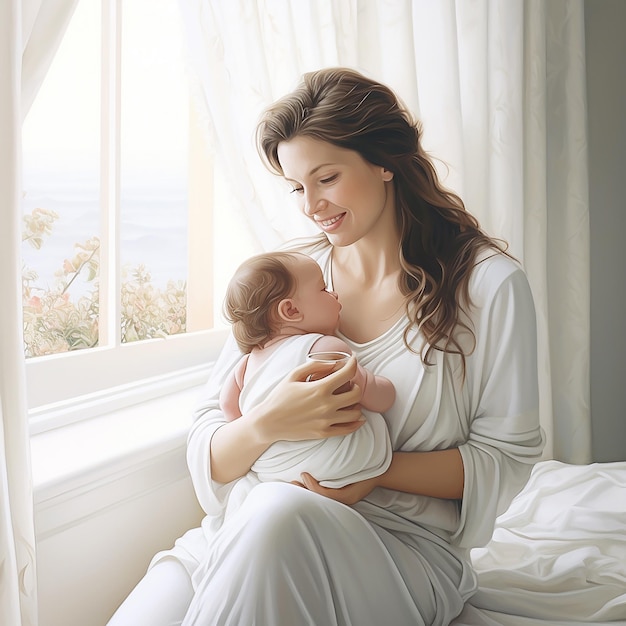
335, 462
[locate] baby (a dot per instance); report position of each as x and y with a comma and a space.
281, 312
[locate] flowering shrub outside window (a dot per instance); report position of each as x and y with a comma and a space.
56, 319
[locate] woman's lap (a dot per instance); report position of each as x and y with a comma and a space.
289, 556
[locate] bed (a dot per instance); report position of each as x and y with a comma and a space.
558, 554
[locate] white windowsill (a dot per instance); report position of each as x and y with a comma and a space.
87, 466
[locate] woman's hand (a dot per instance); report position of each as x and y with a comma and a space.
297, 410
350, 494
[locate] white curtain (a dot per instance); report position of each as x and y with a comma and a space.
500, 88
30, 31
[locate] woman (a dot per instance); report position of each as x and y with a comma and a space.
430, 302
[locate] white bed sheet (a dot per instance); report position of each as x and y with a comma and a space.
558, 554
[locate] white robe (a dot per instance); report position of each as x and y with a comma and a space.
289, 557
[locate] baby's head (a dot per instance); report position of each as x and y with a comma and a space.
278, 291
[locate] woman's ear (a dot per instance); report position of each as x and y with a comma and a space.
288, 311
387, 174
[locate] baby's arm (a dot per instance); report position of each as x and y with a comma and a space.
231, 390
379, 394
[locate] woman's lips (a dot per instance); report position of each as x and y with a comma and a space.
331, 223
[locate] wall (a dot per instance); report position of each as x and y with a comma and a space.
118, 545
606, 98
94, 542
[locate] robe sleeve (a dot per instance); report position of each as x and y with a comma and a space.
505, 439
208, 418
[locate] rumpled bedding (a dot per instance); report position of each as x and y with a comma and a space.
558, 554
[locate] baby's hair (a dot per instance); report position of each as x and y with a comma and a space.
253, 294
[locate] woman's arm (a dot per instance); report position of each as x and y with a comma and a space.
438, 474
295, 410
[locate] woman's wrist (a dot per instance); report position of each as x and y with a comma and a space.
259, 425
385, 480
234, 449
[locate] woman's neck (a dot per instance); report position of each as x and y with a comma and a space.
367, 282
365, 262
374, 258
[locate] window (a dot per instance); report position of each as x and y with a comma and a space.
117, 202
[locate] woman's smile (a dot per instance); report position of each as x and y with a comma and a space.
331, 223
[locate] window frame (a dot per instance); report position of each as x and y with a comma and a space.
67, 387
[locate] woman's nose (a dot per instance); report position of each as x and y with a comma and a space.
308, 207
312, 203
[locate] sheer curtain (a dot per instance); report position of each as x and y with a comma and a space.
30, 31
500, 88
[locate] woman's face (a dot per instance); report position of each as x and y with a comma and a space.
342, 193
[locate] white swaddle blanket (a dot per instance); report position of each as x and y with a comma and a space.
336, 461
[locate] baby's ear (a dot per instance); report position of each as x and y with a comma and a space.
288, 311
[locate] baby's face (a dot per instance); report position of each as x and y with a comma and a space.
319, 306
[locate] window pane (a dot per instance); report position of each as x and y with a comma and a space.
154, 171
61, 171
91, 128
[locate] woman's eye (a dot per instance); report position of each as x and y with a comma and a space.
296, 190
330, 179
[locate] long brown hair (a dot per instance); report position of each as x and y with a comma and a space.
440, 240
253, 295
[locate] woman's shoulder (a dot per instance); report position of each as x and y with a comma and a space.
492, 270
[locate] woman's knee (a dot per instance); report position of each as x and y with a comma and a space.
278, 502
282, 512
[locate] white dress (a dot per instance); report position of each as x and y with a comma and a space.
289, 557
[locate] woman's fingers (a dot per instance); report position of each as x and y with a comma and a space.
318, 371
350, 494
337, 382
343, 375
303, 372
298, 410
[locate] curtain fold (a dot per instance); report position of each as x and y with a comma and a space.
500, 88
30, 31
18, 589
43, 25
568, 256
